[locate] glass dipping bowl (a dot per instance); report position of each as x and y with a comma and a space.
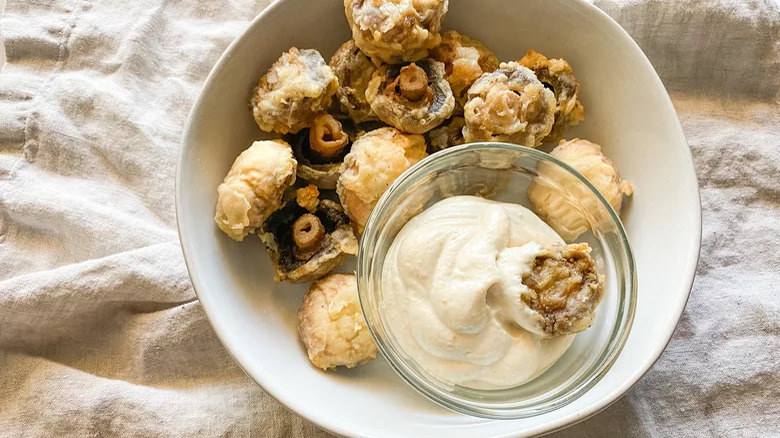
503, 172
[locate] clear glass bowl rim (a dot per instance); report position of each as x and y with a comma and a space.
617, 340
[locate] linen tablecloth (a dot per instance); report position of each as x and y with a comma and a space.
101, 333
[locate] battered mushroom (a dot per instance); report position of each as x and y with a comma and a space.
332, 326
254, 186
297, 87
446, 135
557, 75
413, 98
353, 70
320, 150
564, 290
375, 161
509, 105
465, 60
306, 238
395, 31
564, 203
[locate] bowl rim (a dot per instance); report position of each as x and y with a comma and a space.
373, 230
277, 391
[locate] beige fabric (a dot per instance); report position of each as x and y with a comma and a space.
100, 332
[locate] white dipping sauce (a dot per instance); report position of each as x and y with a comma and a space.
451, 288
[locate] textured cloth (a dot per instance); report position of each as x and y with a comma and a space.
101, 333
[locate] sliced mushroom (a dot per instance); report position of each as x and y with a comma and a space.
306, 245
395, 31
320, 150
414, 98
557, 75
354, 70
509, 105
298, 86
447, 135
465, 60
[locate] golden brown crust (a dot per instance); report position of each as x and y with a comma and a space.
414, 111
557, 75
297, 87
395, 31
561, 200
377, 158
253, 188
465, 60
353, 70
331, 324
509, 104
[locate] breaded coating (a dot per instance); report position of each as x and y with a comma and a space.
509, 105
377, 158
395, 31
298, 86
465, 60
254, 187
557, 75
353, 70
331, 324
563, 203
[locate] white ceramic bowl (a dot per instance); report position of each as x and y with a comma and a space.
627, 111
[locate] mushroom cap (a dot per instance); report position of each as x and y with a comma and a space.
332, 326
377, 158
297, 87
509, 104
557, 75
416, 117
395, 31
353, 70
253, 188
553, 192
465, 60
277, 234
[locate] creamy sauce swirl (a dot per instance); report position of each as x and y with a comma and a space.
452, 281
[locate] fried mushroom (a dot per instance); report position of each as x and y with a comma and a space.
556, 197
307, 238
465, 60
563, 291
332, 326
353, 70
298, 86
511, 105
395, 31
377, 158
320, 150
414, 98
447, 135
254, 187
557, 75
